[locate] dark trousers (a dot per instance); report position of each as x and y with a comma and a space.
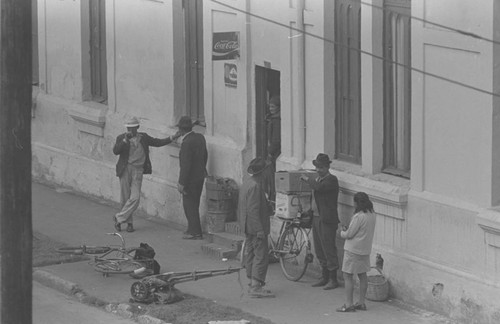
324, 244
191, 204
256, 256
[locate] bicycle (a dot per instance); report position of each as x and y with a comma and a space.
293, 247
110, 259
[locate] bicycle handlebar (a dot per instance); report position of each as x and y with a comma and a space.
120, 236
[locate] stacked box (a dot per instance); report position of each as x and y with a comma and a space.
289, 181
288, 205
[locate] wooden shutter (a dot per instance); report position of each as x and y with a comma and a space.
348, 80
98, 66
397, 87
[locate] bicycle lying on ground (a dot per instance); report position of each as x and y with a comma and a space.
111, 259
292, 247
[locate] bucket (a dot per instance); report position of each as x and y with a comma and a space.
378, 286
216, 221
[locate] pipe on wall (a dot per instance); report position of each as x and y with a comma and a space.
301, 83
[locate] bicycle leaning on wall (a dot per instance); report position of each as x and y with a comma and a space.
292, 247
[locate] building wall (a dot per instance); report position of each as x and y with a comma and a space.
438, 231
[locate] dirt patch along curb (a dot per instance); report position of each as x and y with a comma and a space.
67, 287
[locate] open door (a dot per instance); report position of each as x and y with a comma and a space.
267, 125
267, 85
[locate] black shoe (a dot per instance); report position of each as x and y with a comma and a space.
130, 228
320, 283
193, 237
325, 276
118, 227
332, 284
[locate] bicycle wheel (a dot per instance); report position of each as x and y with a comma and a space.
83, 249
117, 266
295, 252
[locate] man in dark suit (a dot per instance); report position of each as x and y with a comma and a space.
325, 222
133, 149
193, 158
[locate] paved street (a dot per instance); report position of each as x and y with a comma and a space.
73, 219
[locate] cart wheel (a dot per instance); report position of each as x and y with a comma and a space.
139, 291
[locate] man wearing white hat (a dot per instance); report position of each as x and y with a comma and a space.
133, 149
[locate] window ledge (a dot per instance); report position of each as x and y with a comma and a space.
90, 117
489, 221
389, 194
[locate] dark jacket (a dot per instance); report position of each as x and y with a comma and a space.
273, 135
253, 207
326, 193
121, 148
193, 158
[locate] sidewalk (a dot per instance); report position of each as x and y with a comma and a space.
76, 220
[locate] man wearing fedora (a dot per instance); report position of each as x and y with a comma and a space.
193, 157
254, 215
133, 150
325, 221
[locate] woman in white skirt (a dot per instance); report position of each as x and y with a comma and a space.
357, 248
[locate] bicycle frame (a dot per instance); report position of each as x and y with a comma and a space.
122, 251
285, 224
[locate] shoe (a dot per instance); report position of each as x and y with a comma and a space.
141, 274
359, 306
345, 309
325, 276
118, 227
332, 284
130, 228
192, 237
259, 292
322, 281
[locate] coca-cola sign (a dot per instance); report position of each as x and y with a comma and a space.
226, 46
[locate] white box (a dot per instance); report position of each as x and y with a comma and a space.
287, 205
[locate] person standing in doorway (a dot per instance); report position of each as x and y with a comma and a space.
273, 131
325, 221
193, 157
133, 150
254, 215
357, 249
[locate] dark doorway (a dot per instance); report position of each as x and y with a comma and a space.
268, 122
267, 85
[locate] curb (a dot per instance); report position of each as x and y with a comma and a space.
72, 289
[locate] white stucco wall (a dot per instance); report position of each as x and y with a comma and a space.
142, 36
77, 154
452, 124
63, 48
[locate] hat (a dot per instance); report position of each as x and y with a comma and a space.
185, 122
257, 165
275, 100
132, 122
322, 160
